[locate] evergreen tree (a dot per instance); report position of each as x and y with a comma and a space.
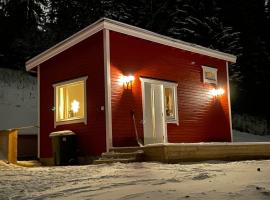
251, 19
199, 22
68, 17
22, 23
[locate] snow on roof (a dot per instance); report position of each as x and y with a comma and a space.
120, 27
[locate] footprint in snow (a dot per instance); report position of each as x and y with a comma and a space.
263, 190
201, 176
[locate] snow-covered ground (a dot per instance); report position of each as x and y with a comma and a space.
206, 180
209, 180
248, 137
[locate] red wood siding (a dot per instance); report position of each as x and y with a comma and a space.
202, 118
83, 59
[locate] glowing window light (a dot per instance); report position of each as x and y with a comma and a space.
217, 92
75, 105
61, 103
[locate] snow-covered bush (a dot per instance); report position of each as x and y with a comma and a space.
250, 124
18, 99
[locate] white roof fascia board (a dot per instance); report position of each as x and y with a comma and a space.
161, 39
128, 30
65, 44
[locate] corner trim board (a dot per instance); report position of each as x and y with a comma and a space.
107, 83
229, 99
38, 105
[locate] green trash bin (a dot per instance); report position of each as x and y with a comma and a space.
64, 147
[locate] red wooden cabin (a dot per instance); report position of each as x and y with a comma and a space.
92, 83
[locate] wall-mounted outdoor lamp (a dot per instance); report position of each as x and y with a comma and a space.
217, 92
127, 81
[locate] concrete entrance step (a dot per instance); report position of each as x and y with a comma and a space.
114, 160
125, 149
114, 155
124, 157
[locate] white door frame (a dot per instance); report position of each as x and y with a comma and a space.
153, 81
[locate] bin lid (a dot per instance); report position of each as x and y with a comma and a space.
61, 133
7, 131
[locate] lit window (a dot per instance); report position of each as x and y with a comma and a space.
170, 101
70, 101
209, 75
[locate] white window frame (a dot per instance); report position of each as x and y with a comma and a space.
211, 70
70, 121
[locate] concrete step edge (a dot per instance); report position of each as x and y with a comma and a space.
111, 153
101, 161
125, 149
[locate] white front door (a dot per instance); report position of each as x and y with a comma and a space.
154, 122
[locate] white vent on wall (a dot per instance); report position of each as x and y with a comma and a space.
209, 75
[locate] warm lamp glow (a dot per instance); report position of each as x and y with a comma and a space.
127, 81
75, 105
217, 92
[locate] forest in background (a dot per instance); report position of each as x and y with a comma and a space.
242, 28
